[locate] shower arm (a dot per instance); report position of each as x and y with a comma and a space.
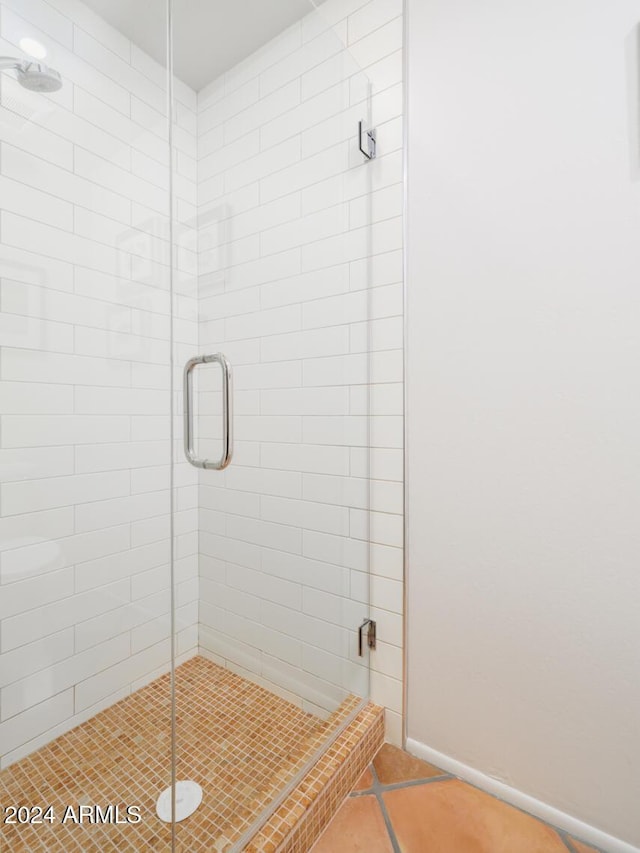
11, 63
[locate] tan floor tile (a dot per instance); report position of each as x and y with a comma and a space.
452, 817
365, 781
582, 848
395, 765
358, 827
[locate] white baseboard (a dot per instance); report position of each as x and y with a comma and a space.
571, 825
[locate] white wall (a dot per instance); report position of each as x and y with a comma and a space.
524, 414
300, 262
84, 375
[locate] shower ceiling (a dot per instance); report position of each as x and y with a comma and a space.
209, 35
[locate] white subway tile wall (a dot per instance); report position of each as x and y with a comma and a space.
84, 375
300, 284
288, 257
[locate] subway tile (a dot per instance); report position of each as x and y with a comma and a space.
46, 17
336, 128
306, 458
385, 73
377, 335
337, 550
386, 691
42, 142
33, 556
304, 173
379, 527
89, 21
61, 184
301, 683
25, 332
40, 718
121, 401
29, 691
36, 495
99, 514
59, 244
99, 629
32, 203
308, 114
265, 533
23, 595
390, 626
296, 63
331, 608
34, 463
336, 370
306, 229
260, 114
51, 430
386, 105
107, 175
53, 305
31, 529
386, 593
101, 684
305, 401
115, 67
302, 288
284, 592
341, 491
264, 270
41, 621
333, 71
371, 17
35, 657
121, 565
115, 456
311, 516
383, 268
384, 40
281, 46
228, 106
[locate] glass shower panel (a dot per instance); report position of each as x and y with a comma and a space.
85, 399
284, 241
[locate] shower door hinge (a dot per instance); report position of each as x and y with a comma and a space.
371, 627
369, 138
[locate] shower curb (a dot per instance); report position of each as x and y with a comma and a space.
297, 824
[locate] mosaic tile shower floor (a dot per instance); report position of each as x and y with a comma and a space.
240, 742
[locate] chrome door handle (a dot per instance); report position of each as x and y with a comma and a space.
227, 411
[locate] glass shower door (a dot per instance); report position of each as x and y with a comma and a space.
284, 244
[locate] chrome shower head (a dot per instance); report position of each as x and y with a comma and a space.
38, 77
33, 75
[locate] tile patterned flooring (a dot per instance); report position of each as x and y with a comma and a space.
404, 805
240, 742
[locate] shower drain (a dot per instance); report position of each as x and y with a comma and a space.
188, 798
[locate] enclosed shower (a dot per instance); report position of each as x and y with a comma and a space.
200, 360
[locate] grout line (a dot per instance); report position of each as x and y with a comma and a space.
566, 841
377, 789
565, 837
395, 786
